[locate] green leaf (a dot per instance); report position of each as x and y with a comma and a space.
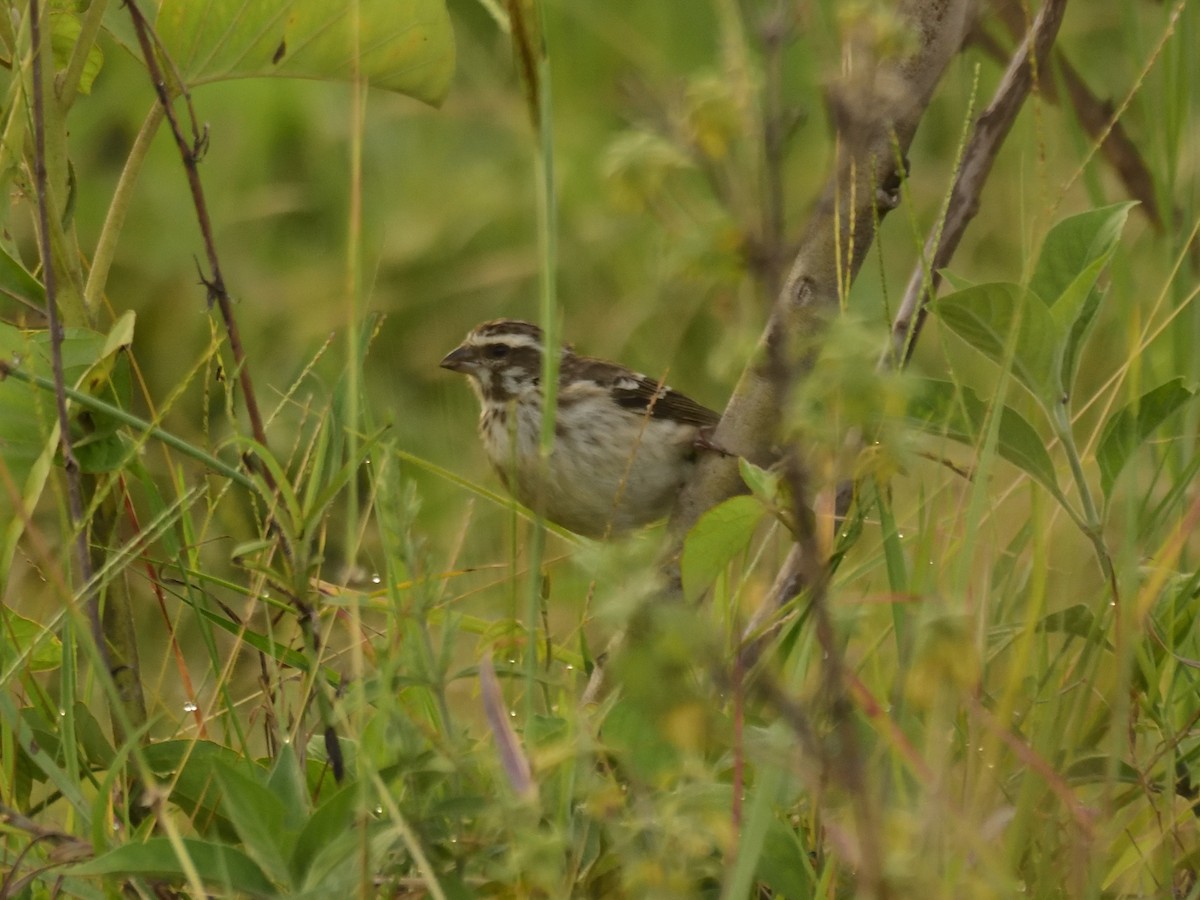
1100, 769
218, 865
65, 29
956, 282
405, 46
29, 437
327, 841
985, 316
943, 408
1129, 427
1073, 255
194, 789
19, 635
19, 284
784, 865
721, 534
286, 783
1082, 309
257, 815
1073, 246
763, 483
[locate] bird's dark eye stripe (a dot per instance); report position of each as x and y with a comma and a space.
496, 351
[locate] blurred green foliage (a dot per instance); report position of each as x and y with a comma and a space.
1022, 730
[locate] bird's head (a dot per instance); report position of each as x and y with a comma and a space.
503, 358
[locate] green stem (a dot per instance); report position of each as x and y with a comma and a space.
547, 240
1062, 426
1091, 524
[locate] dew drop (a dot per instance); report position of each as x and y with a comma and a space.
190, 707
376, 579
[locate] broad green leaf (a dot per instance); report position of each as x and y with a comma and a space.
985, 315
19, 636
286, 783
257, 816
194, 788
943, 408
956, 282
218, 865
29, 438
65, 28
321, 843
721, 534
784, 865
1074, 254
1129, 427
1073, 246
46, 729
405, 46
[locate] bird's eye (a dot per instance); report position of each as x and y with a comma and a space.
496, 351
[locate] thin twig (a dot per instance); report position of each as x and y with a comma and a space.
775, 30
215, 281
1096, 117
70, 463
991, 129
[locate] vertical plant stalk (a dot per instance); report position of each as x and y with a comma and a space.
79, 528
259, 459
991, 129
775, 30
215, 283
533, 62
548, 314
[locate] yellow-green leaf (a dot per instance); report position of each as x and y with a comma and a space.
29, 438
19, 636
405, 46
65, 29
721, 534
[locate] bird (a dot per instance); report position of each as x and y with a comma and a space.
624, 443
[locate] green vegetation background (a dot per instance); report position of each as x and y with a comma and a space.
660, 194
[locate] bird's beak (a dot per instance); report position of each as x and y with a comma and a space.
460, 359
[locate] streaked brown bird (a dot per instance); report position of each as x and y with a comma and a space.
624, 443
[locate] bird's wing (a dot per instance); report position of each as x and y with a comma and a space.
643, 394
